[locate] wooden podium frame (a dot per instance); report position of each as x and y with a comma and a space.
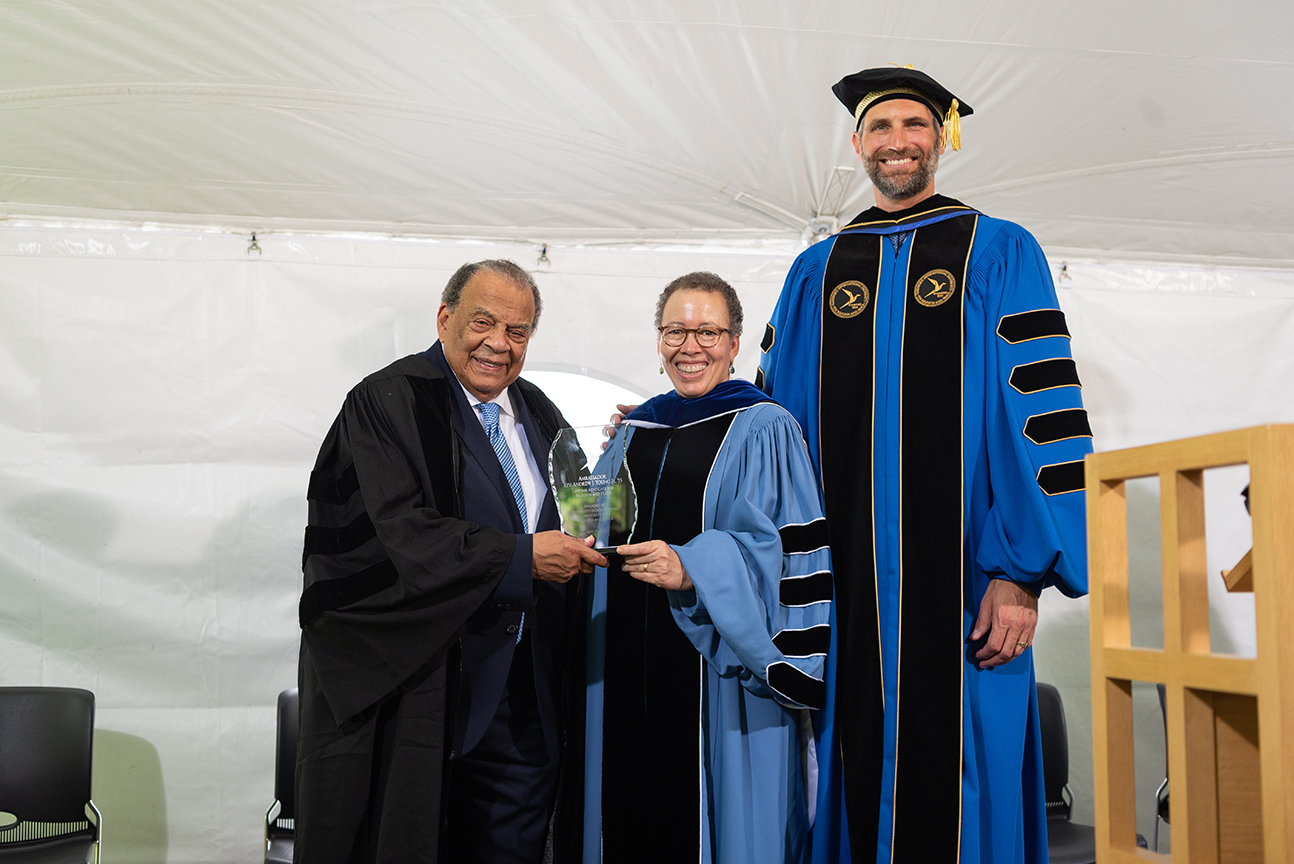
1230, 720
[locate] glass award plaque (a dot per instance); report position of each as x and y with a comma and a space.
591, 486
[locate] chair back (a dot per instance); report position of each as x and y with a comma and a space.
1055, 751
46, 748
285, 756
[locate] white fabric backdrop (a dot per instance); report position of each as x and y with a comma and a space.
162, 395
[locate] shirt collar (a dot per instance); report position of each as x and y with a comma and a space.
502, 400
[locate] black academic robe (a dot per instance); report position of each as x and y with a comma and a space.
409, 609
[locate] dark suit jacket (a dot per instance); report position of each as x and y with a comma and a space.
398, 574
487, 645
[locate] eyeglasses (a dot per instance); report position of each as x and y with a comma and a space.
706, 337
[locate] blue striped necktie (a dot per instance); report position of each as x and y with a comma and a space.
490, 415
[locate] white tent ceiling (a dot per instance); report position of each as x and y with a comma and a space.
1149, 130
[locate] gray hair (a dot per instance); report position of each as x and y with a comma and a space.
710, 283
509, 270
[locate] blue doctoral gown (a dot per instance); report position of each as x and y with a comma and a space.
1024, 435
759, 618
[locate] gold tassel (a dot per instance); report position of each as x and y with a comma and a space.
953, 126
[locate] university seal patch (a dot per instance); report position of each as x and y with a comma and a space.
849, 299
934, 288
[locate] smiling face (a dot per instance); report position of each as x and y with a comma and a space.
693, 370
900, 145
486, 336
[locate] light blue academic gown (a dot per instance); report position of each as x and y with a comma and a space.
755, 738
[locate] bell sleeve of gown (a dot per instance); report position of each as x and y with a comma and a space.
1031, 515
759, 609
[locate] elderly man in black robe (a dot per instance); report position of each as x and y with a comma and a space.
435, 607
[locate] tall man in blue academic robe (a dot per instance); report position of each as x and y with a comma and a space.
436, 612
923, 353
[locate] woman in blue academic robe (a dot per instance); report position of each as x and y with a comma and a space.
709, 632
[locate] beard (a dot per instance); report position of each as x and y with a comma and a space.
900, 188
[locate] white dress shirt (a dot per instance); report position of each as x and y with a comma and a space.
532, 482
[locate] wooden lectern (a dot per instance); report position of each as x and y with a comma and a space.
1230, 720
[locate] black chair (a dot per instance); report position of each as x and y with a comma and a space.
1067, 842
280, 819
1162, 812
46, 750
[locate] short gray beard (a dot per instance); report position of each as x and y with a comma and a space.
916, 183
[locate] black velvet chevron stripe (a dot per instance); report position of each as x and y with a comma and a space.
1038, 324
809, 642
334, 593
759, 379
1045, 375
1061, 478
804, 538
796, 686
333, 490
805, 590
1057, 426
334, 541
769, 336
